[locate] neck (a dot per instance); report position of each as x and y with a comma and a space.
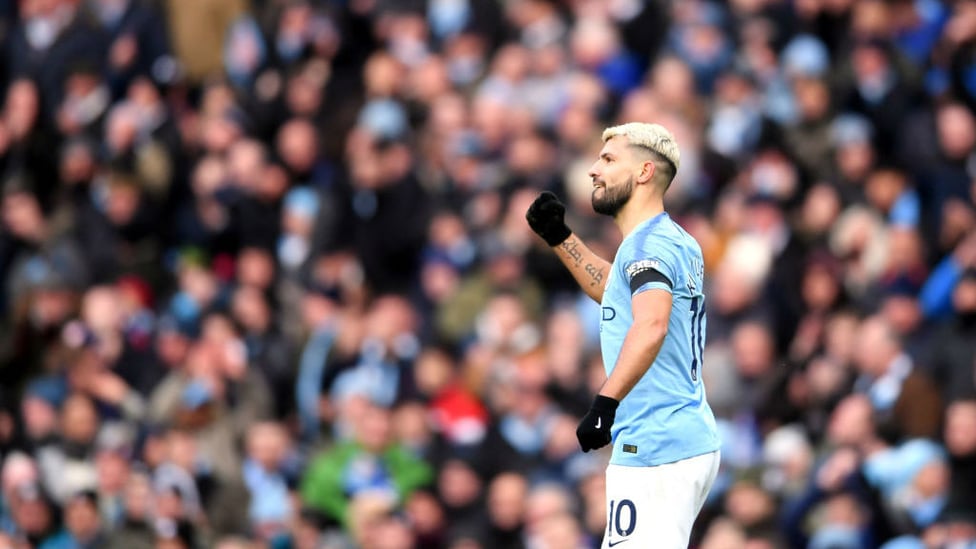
636, 212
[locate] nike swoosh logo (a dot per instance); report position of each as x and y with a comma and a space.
599, 421
618, 542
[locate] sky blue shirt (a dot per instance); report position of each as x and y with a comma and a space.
665, 417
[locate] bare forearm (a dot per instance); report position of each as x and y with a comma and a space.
640, 349
589, 269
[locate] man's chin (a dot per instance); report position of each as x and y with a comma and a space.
596, 199
603, 208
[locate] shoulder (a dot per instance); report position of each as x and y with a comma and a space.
340, 453
685, 248
658, 239
918, 384
62, 539
681, 236
399, 456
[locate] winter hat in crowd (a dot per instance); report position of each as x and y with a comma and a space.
805, 55
384, 118
302, 202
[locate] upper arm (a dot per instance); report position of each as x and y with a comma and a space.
652, 307
651, 282
653, 264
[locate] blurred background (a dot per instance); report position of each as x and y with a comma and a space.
267, 283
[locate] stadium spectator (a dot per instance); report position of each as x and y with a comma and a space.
224, 222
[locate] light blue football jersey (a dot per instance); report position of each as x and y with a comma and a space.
665, 417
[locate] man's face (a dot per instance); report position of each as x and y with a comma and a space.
613, 176
873, 352
81, 519
960, 428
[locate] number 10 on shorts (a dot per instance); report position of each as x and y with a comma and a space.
621, 521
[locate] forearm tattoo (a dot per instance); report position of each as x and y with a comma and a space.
572, 249
596, 274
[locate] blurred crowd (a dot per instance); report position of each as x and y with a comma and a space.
267, 282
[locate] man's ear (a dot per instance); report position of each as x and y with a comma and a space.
647, 171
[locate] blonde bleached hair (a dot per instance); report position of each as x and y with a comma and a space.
653, 137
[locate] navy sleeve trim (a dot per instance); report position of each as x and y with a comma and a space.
647, 275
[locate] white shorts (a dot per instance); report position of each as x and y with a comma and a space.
657, 506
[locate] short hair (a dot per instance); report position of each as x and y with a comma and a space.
653, 137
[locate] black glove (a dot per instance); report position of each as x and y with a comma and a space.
594, 430
545, 216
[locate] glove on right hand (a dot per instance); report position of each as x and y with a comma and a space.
545, 216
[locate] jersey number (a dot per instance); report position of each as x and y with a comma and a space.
621, 522
697, 338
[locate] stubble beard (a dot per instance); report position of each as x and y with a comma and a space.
613, 199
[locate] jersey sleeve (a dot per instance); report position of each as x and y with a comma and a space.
647, 270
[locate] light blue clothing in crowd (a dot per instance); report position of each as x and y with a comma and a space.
893, 469
904, 542
375, 377
308, 386
270, 499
